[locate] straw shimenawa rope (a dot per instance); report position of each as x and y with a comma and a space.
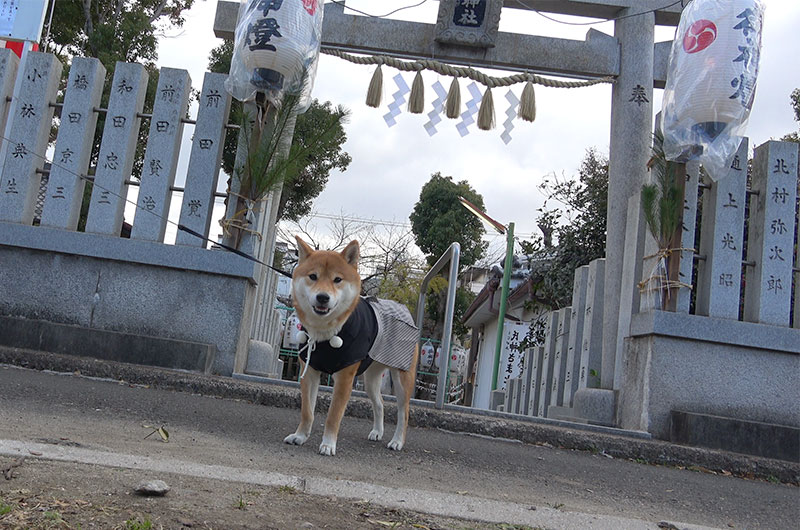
661, 283
453, 106
463, 71
239, 219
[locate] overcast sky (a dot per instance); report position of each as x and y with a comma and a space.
391, 164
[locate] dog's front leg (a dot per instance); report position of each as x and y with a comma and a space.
372, 384
342, 387
309, 386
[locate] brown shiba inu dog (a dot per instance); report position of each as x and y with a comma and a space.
343, 330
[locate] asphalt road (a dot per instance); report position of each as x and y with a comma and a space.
75, 418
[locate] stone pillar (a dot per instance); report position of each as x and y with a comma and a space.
768, 291
719, 275
515, 400
117, 150
31, 117
635, 236
73, 150
546, 366
204, 161
797, 277
560, 359
525, 385
577, 312
537, 357
630, 149
161, 154
509, 396
592, 326
9, 64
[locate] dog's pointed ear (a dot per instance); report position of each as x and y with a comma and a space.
303, 249
351, 253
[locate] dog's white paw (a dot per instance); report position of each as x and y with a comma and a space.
327, 449
395, 445
375, 435
295, 439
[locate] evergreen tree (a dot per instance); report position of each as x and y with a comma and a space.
578, 225
439, 219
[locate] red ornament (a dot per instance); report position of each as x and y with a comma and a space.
699, 36
310, 6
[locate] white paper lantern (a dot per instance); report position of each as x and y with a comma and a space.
291, 335
458, 361
279, 38
426, 355
712, 76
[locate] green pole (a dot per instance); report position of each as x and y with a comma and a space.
501, 317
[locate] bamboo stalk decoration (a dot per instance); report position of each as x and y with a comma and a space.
662, 203
271, 159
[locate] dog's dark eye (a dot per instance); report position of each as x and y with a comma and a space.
312, 277
337, 280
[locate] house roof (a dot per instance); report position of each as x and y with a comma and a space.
479, 311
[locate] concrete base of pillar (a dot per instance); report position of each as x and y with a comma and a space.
263, 360
596, 405
564, 414
498, 399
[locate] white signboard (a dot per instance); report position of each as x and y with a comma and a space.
22, 19
511, 356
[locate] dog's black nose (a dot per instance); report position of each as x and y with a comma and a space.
323, 298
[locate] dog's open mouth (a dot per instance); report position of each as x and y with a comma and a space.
321, 310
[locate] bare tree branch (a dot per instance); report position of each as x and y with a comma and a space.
158, 11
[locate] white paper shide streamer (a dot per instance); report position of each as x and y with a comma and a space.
711, 81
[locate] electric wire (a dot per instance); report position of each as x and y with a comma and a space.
622, 17
529, 7
378, 16
398, 224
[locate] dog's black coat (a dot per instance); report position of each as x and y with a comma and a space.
358, 335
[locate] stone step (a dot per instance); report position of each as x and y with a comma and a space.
555, 412
739, 436
53, 337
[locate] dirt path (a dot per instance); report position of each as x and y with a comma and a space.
47, 494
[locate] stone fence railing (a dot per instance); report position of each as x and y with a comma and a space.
42, 187
744, 269
30, 120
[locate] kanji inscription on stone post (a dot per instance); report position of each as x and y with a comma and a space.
770, 243
161, 154
117, 149
73, 147
722, 239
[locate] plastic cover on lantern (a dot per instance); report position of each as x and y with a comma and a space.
276, 50
427, 353
711, 81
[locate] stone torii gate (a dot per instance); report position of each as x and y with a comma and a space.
631, 57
